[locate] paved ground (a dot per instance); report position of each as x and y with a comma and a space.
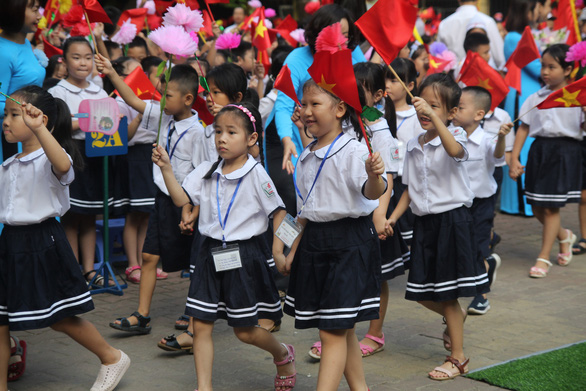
527, 316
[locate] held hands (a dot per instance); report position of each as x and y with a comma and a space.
187, 221
160, 156
284, 263
390, 226
33, 117
103, 65
505, 129
516, 169
422, 107
379, 224
374, 165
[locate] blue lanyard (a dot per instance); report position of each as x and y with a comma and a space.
399, 127
223, 226
176, 143
316, 176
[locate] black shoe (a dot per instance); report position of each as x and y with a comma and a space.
496, 239
494, 262
479, 306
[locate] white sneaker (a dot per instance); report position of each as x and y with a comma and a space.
110, 375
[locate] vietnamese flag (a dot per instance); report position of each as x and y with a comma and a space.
141, 85
477, 72
284, 84
436, 65
94, 11
247, 24
525, 52
572, 95
388, 26
49, 49
566, 17
260, 35
137, 17
284, 29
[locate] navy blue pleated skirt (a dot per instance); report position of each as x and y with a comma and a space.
241, 296
40, 279
395, 253
335, 276
134, 187
445, 260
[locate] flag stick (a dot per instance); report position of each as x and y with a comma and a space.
400, 81
368, 144
525, 113
202, 37
210, 11
87, 19
12, 99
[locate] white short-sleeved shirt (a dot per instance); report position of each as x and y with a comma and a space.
437, 182
73, 96
30, 191
492, 125
408, 126
205, 146
338, 191
556, 122
265, 106
481, 163
181, 146
384, 143
143, 134
255, 202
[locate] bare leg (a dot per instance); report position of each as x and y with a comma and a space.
130, 238
203, 354
87, 241
353, 371
455, 321
333, 359
582, 215
376, 325
4, 356
552, 229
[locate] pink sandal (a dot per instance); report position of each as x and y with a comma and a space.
317, 346
539, 272
564, 259
284, 383
369, 350
161, 275
135, 278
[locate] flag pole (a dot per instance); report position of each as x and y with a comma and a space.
524, 114
400, 81
87, 19
210, 11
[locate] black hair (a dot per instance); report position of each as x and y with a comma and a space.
73, 40
517, 16
58, 118
50, 82
224, 53
186, 79
350, 114
118, 65
418, 52
445, 87
149, 62
558, 52
195, 62
326, 16
278, 57
482, 98
248, 125
241, 50
54, 61
12, 15
406, 71
230, 79
473, 40
114, 14
372, 78
139, 42
110, 46
251, 96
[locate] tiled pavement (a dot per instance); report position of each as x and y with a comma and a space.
527, 316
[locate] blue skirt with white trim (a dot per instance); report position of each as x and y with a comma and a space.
40, 279
335, 276
241, 296
445, 260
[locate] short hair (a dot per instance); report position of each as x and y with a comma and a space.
474, 40
446, 88
12, 15
73, 40
150, 61
139, 42
482, 98
559, 52
114, 14
111, 45
241, 50
186, 78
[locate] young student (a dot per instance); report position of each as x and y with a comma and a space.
484, 152
235, 198
149, 66
420, 57
34, 250
179, 126
407, 127
87, 195
554, 169
138, 49
477, 43
244, 57
445, 263
335, 261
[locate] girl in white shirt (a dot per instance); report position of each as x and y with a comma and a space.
234, 198
554, 171
445, 261
335, 261
34, 251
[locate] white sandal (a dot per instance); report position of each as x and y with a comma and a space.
110, 375
539, 272
564, 259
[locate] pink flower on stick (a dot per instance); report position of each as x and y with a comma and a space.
126, 34
174, 40
577, 52
182, 15
298, 35
270, 13
228, 41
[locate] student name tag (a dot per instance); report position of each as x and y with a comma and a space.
227, 258
289, 230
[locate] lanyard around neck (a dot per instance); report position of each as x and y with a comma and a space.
169, 134
223, 225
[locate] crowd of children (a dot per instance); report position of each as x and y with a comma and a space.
264, 201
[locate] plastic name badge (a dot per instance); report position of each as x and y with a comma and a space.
99, 115
226, 258
289, 230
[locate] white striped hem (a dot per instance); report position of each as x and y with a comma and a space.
388, 267
333, 313
448, 285
48, 312
134, 202
90, 204
233, 312
407, 234
554, 197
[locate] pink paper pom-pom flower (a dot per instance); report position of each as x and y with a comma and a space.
298, 35
126, 33
270, 13
450, 58
174, 40
228, 41
194, 36
577, 52
182, 15
331, 39
149, 5
255, 3
268, 24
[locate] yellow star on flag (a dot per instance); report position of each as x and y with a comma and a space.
434, 64
569, 98
260, 29
484, 83
323, 84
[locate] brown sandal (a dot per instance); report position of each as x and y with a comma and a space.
461, 369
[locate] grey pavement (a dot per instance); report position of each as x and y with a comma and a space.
527, 316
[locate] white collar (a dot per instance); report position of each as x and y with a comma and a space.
544, 91
321, 153
380, 124
93, 88
185, 124
477, 136
31, 156
406, 113
239, 173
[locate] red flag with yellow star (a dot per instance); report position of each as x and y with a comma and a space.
566, 16
260, 33
477, 72
436, 65
572, 95
141, 85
